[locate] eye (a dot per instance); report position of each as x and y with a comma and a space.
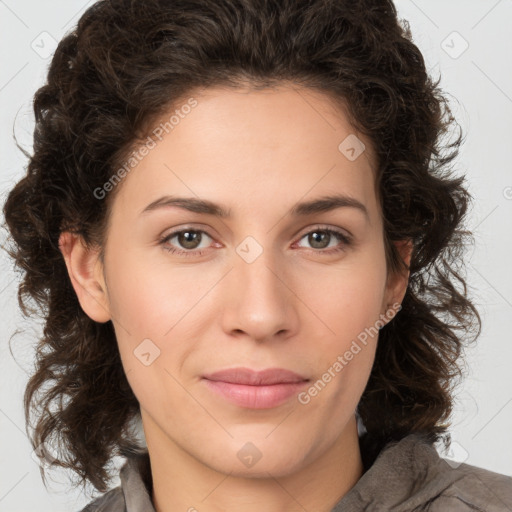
189, 239
320, 238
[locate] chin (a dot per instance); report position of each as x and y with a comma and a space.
249, 461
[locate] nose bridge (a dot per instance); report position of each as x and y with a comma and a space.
261, 304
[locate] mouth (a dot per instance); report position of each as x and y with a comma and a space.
250, 377
255, 389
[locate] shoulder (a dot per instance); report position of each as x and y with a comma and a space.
438, 484
409, 475
112, 501
469, 487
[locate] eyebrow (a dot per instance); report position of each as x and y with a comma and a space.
319, 205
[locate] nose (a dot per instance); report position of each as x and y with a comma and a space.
259, 300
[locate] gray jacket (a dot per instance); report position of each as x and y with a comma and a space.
406, 476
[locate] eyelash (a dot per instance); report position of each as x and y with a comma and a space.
346, 240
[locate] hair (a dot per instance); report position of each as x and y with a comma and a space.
127, 63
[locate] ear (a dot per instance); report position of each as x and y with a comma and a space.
396, 285
85, 270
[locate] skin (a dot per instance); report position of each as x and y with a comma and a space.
257, 153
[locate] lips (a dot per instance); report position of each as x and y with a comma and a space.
252, 389
246, 376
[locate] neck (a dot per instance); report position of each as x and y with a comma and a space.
182, 482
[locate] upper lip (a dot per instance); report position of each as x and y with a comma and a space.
256, 378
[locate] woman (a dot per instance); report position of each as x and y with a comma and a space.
241, 227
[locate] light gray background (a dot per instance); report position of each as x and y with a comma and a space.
478, 79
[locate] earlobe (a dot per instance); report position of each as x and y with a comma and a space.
85, 272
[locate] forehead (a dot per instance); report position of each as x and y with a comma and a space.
243, 147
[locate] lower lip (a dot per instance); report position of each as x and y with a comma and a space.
256, 397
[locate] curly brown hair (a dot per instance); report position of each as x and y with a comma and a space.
129, 61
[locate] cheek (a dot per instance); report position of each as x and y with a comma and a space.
348, 298
150, 305
346, 335
148, 296
347, 306
149, 302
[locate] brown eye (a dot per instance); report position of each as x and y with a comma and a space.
320, 238
187, 242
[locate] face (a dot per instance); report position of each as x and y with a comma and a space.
192, 293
